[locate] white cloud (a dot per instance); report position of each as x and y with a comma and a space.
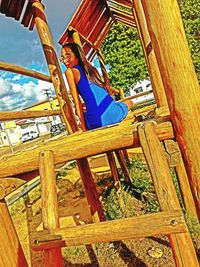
16, 94
5, 87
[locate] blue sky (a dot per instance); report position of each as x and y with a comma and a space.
21, 47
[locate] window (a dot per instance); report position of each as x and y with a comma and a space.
138, 90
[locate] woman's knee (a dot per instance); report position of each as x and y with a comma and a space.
129, 103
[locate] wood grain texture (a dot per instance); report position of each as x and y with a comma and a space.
80, 145
181, 244
50, 216
129, 228
180, 82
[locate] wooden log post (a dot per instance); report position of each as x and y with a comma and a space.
90, 190
53, 65
181, 244
175, 160
11, 254
113, 168
86, 174
50, 217
122, 162
180, 82
154, 72
56, 74
186, 193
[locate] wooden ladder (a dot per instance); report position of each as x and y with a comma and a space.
169, 221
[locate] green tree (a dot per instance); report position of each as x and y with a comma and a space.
124, 57
190, 11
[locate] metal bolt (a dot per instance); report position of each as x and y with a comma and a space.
174, 222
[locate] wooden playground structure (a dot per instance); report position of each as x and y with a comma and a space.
177, 96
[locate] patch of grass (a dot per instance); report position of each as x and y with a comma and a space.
194, 229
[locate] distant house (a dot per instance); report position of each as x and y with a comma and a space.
11, 131
140, 87
41, 125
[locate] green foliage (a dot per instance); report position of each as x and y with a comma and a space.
141, 179
190, 10
123, 52
124, 56
111, 204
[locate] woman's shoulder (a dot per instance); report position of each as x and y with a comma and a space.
73, 72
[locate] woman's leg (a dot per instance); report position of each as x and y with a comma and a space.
129, 103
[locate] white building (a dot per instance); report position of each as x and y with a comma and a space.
141, 87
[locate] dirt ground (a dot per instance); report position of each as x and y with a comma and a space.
73, 210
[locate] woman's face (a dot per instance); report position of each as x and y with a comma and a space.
68, 57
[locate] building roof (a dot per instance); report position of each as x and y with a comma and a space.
19, 10
94, 18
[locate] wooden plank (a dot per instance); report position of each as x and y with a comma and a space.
4, 6
176, 70
79, 12
12, 9
11, 251
19, 9
124, 21
137, 95
104, 32
96, 13
121, 229
23, 71
124, 3
181, 244
50, 217
80, 145
27, 15
25, 114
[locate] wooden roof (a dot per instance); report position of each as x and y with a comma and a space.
94, 18
19, 10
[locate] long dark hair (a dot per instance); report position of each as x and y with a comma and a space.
91, 72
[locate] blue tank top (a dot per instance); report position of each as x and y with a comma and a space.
101, 109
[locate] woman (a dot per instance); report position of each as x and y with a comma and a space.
84, 80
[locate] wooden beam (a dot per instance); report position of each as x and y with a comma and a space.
122, 163
177, 71
11, 251
137, 95
77, 146
124, 3
25, 114
53, 65
152, 64
113, 169
181, 244
50, 217
129, 228
185, 188
86, 174
23, 71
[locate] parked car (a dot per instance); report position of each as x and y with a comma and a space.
29, 136
57, 129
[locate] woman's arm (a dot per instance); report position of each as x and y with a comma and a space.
72, 78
